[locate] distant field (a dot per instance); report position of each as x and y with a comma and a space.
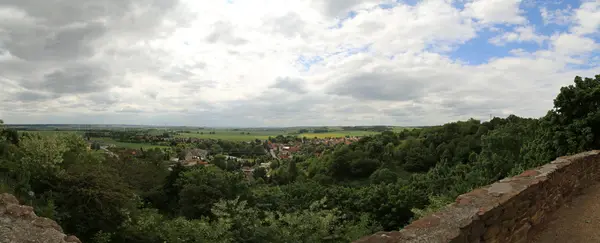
231, 135
262, 135
50, 133
106, 140
127, 145
338, 134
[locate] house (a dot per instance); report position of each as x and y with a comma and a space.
194, 162
196, 154
234, 158
248, 172
294, 149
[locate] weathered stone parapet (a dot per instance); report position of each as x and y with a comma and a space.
503, 212
19, 224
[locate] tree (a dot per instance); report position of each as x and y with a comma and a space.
575, 118
292, 170
203, 186
94, 194
384, 176
260, 172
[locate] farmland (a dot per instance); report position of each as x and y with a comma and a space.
103, 140
248, 135
229, 134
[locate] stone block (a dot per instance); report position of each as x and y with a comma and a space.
491, 232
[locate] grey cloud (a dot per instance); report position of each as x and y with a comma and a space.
371, 27
477, 108
289, 25
62, 44
275, 104
65, 30
28, 95
84, 10
152, 94
339, 7
198, 85
130, 110
379, 86
61, 47
73, 80
103, 98
290, 85
405, 111
223, 32
181, 73
354, 108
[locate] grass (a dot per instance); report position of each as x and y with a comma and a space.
235, 135
51, 133
105, 140
338, 134
232, 135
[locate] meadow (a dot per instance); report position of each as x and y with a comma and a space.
103, 140
252, 134
231, 134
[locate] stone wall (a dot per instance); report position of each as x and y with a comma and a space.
506, 211
19, 224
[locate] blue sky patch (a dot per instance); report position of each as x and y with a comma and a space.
307, 62
479, 50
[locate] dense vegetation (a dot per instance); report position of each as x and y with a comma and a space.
380, 182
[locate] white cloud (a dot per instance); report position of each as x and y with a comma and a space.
495, 11
587, 17
519, 34
557, 16
269, 62
572, 44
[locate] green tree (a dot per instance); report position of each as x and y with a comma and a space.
94, 194
292, 170
383, 175
203, 186
575, 118
260, 172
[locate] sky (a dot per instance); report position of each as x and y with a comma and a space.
250, 63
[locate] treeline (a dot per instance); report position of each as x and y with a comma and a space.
367, 128
381, 182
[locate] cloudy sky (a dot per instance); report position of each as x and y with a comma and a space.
287, 63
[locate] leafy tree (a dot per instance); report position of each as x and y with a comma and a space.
292, 170
94, 194
383, 175
203, 186
260, 172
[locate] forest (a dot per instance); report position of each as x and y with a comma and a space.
381, 182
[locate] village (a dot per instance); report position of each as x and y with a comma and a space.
273, 150
277, 151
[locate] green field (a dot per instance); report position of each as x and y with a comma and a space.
240, 134
51, 133
265, 134
105, 140
233, 135
338, 134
